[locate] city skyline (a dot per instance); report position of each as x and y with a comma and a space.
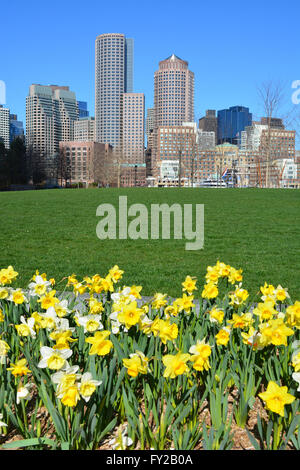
222, 79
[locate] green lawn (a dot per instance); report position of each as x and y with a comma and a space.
54, 231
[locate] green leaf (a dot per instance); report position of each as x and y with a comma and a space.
29, 442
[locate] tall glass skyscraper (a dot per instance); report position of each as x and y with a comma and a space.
231, 122
113, 77
82, 109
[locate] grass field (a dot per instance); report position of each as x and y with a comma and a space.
54, 231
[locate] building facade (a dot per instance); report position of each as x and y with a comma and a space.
231, 122
82, 109
84, 130
173, 99
133, 127
4, 126
16, 128
113, 77
50, 115
209, 123
84, 161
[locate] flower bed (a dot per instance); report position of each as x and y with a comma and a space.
122, 372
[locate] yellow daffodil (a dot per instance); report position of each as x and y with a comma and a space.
274, 332
223, 336
293, 315
241, 321
200, 353
159, 300
189, 284
136, 364
210, 291
185, 303
48, 300
164, 329
216, 315
265, 310
175, 364
100, 345
71, 396
19, 368
62, 338
116, 273
276, 398
130, 314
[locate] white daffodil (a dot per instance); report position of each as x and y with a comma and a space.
61, 308
90, 323
39, 287
26, 328
2, 424
296, 377
88, 386
121, 442
24, 392
62, 324
4, 348
65, 378
54, 359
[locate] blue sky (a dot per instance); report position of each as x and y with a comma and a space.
231, 46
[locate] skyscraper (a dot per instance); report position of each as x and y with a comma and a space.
133, 127
4, 126
82, 109
173, 99
113, 77
173, 93
50, 114
231, 122
15, 128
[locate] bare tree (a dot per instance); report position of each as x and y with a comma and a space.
271, 97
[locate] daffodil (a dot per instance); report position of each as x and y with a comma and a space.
39, 287
216, 315
175, 364
24, 392
54, 359
241, 321
223, 336
62, 338
7, 275
265, 310
239, 296
71, 396
19, 368
100, 345
185, 303
4, 348
90, 323
130, 314
48, 300
210, 291
17, 296
26, 328
88, 386
136, 364
166, 330
116, 273
274, 332
159, 300
276, 397
189, 284
200, 353
293, 315
65, 378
